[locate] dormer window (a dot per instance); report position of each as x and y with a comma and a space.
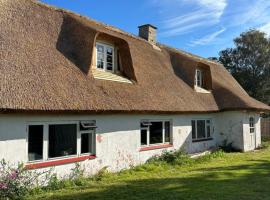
105, 57
199, 78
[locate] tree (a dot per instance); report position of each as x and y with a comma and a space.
249, 63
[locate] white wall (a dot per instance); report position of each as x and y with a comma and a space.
120, 137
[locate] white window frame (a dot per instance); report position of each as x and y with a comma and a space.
163, 132
251, 125
105, 46
199, 74
46, 140
206, 126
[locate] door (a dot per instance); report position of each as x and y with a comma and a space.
252, 133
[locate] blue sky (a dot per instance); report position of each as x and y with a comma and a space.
202, 27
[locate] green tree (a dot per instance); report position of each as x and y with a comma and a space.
249, 63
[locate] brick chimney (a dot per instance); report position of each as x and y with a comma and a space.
149, 33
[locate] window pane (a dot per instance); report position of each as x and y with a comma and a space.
167, 132
100, 64
87, 141
156, 133
109, 59
143, 137
100, 48
201, 129
109, 66
208, 131
193, 129
109, 51
62, 140
35, 142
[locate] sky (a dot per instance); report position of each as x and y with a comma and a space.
202, 27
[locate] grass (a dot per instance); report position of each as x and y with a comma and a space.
230, 176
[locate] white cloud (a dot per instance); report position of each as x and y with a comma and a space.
265, 28
204, 13
207, 39
253, 13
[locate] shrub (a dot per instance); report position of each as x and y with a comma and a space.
181, 158
16, 182
101, 174
172, 157
75, 178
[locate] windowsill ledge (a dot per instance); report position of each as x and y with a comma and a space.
162, 146
59, 162
109, 76
201, 90
202, 140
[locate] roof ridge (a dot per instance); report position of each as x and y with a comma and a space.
189, 54
118, 30
110, 27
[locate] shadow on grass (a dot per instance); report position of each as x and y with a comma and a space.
237, 182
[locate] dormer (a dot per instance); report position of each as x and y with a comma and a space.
202, 79
112, 60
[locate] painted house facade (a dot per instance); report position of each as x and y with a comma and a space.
76, 90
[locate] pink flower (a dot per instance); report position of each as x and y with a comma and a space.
3, 186
13, 175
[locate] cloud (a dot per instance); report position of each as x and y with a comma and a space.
202, 13
265, 28
250, 14
207, 39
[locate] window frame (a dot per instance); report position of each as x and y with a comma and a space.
148, 144
252, 125
105, 46
27, 142
46, 140
200, 72
210, 124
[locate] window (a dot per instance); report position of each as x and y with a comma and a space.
155, 132
35, 142
199, 78
88, 137
251, 125
64, 139
105, 57
201, 129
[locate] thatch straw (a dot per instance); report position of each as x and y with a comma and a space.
45, 63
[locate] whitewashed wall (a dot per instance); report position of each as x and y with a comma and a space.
119, 137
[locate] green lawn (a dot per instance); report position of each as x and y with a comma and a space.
234, 176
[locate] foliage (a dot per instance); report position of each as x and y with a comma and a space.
76, 178
16, 182
172, 157
233, 176
181, 158
101, 174
249, 63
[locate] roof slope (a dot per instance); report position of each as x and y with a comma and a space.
35, 75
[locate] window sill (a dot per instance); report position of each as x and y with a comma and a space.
149, 148
59, 162
202, 140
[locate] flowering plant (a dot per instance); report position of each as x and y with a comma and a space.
15, 182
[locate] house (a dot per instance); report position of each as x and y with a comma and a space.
76, 90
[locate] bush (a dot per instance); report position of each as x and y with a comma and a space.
172, 157
76, 178
16, 182
181, 158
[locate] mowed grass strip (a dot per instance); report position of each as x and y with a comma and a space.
233, 176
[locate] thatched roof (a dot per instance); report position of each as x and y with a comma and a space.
45, 60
